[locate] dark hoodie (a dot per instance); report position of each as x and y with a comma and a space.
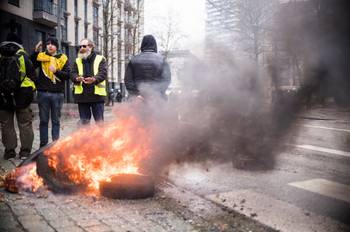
149, 43
24, 96
149, 68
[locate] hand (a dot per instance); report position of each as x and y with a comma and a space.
79, 79
38, 46
52, 68
89, 80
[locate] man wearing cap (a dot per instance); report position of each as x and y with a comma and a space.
54, 71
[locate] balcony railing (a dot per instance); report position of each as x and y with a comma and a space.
46, 6
45, 12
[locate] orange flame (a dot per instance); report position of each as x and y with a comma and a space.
96, 153
24, 178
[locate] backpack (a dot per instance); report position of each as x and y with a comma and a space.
10, 75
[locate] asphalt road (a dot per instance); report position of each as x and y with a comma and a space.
308, 190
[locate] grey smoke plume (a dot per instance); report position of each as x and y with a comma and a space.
224, 113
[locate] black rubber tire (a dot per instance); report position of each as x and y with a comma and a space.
56, 182
128, 186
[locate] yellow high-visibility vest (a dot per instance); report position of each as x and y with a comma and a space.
25, 81
100, 89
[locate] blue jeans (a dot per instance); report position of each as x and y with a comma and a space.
85, 110
49, 103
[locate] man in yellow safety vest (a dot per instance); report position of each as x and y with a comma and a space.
16, 93
89, 73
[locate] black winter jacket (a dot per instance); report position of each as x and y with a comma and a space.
88, 95
148, 69
23, 96
45, 84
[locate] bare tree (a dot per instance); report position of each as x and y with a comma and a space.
168, 33
109, 7
250, 22
255, 19
136, 29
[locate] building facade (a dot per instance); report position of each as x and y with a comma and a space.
125, 30
36, 20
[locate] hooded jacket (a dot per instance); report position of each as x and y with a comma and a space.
148, 69
24, 96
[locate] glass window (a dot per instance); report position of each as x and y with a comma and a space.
64, 29
85, 10
76, 28
95, 37
39, 36
14, 2
76, 8
95, 15
64, 5
85, 30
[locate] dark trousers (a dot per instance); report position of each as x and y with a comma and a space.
8, 132
49, 104
85, 110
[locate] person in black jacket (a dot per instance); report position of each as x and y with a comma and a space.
17, 102
147, 74
54, 71
89, 73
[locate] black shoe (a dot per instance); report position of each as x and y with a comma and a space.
9, 154
23, 154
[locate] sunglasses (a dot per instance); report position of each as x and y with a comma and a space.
83, 46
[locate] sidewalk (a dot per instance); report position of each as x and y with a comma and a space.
171, 209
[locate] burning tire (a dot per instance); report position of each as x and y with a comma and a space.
128, 186
57, 182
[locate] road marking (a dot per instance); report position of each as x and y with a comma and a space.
275, 213
324, 149
327, 128
326, 188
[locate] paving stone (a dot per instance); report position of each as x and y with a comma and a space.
120, 224
61, 222
134, 220
51, 214
5, 165
11, 229
41, 204
4, 208
88, 223
98, 228
69, 229
35, 223
21, 210
7, 222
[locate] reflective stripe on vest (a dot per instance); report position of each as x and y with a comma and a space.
25, 81
100, 88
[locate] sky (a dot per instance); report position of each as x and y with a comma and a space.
190, 15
